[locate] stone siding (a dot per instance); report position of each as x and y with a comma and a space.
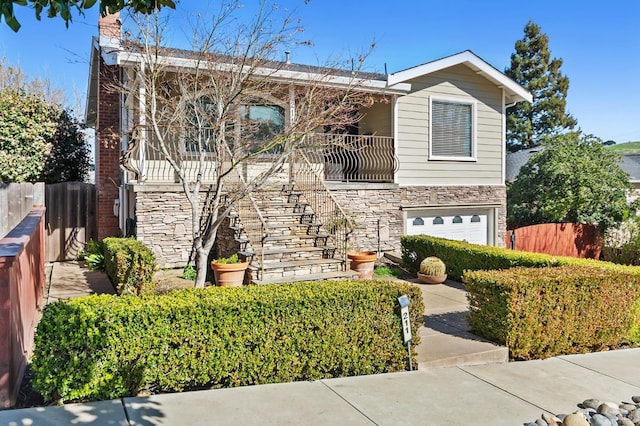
370, 205
451, 196
164, 220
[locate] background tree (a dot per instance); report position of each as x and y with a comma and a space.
234, 62
69, 158
574, 179
533, 68
64, 8
39, 139
27, 128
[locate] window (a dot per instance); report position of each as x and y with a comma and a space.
475, 218
438, 221
260, 124
457, 219
452, 130
418, 221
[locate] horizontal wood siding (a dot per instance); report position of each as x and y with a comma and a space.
461, 83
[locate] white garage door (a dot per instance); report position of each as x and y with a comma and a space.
468, 226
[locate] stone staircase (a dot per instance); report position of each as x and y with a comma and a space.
296, 246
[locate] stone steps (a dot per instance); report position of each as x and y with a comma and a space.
296, 247
347, 275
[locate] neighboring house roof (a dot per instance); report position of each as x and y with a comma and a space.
631, 165
516, 160
513, 91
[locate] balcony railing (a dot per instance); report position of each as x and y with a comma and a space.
353, 158
336, 157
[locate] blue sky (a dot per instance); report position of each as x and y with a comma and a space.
598, 41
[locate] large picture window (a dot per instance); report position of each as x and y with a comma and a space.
452, 130
259, 124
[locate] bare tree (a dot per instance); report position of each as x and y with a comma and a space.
13, 78
202, 102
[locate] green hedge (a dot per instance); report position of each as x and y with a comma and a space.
460, 256
543, 312
130, 265
103, 347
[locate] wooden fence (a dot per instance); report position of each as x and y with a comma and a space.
70, 219
16, 201
22, 280
558, 239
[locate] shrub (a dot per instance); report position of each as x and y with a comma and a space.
460, 256
622, 245
189, 273
104, 347
543, 312
93, 255
130, 265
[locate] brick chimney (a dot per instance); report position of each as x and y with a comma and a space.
109, 26
108, 136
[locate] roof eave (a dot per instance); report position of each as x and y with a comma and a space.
513, 91
378, 86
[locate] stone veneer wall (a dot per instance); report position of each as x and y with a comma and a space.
369, 203
450, 196
164, 221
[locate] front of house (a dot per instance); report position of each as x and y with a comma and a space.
428, 156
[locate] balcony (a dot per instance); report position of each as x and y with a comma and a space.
335, 157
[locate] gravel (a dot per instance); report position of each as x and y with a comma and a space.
593, 412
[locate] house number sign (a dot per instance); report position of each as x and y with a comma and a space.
404, 314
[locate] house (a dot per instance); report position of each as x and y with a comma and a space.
431, 157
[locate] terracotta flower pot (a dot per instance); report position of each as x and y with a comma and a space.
363, 263
229, 274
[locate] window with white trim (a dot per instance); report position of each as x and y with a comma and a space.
452, 130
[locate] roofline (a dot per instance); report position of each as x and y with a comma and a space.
125, 58
515, 92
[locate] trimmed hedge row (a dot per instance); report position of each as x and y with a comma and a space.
544, 312
104, 347
460, 256
130, 265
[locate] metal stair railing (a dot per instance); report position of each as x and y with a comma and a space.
250, 219
306, 178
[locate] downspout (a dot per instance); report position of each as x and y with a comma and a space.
124, 143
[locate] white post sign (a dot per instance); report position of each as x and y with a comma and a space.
404, 314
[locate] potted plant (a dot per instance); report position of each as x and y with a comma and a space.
432, 271
229, 271
363, 262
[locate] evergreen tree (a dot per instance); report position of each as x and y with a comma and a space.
533, 68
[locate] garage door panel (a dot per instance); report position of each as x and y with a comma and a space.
467, 226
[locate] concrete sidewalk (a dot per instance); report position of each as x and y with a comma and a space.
495, 394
